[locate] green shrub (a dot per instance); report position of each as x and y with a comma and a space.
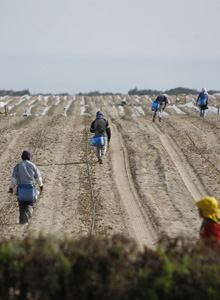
101, 268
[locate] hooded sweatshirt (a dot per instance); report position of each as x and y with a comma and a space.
100, 120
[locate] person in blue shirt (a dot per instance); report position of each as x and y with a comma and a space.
202, 100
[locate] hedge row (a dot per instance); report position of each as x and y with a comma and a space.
101, 268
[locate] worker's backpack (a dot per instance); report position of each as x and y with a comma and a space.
155, 105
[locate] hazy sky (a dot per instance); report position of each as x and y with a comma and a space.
109, 45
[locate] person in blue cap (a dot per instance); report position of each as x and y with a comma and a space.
24, 174
101, 126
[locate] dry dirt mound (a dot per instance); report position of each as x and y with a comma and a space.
147, 187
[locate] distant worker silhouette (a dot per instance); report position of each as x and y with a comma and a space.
159, 110
100, 126
23, 176
202, 100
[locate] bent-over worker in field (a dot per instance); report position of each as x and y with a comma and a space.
159, 111
101, 126
23, 176
210, 229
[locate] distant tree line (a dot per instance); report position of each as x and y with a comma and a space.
135, 91
14, 93
27, 92
52, 94
97, 93
176, 91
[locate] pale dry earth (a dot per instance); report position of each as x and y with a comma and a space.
146, 189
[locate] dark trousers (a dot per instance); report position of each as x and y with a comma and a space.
25, 211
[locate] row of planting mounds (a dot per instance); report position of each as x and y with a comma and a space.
100, 268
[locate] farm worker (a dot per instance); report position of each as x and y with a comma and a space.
101, 126
210, 229
202, 100
162, 99
24, 174
123, 102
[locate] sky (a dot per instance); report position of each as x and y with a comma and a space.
73, 46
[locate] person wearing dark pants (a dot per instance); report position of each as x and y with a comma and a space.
23, 176
202, 100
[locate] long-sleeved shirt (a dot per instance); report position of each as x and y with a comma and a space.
25, 174
107, 128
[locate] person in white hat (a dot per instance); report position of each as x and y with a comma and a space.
202, 100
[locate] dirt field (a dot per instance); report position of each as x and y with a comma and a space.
151, 177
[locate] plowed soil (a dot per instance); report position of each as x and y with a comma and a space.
152, 175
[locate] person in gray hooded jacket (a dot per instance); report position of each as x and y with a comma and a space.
101, 126
25, 173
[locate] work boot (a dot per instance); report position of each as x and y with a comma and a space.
100, 160
160, 120
153, 120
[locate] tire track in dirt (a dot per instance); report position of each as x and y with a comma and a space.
204, 132
144, 233
163, 195
189, 178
